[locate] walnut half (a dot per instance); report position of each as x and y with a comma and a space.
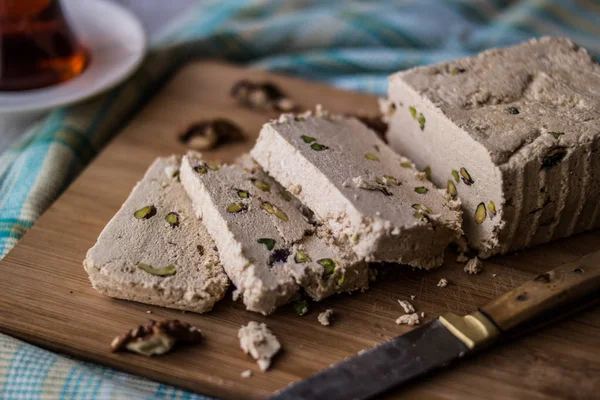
156, 338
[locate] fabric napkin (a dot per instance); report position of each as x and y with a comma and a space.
350, 44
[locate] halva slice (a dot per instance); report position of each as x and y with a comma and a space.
369, 196
267, 241
514, 133
155, 251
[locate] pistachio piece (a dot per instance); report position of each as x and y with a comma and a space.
341, 279
300, 307
201, 169
420, 216
243, 193
427, 171
371, 156
451, 188
328, 265
164, 271
556, 134
173, 219
269, 243
308, 139
456, 70
455, 175
236, 208
512, 110
413, 112
285, 195
262, 185
301, 257
355, 238
271, 209
389, 180
422, 208
421, 121
145, 212
553, 157
267, 207
281, 215
466, 177
492, 209
318, 147
421, 189
379, 181
480, 213
405, 164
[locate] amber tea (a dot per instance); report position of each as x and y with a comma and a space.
37, 46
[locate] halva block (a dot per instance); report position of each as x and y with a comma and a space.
514, 133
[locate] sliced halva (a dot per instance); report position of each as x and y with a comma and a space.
370, 197
266, 239
514, 133
155, 251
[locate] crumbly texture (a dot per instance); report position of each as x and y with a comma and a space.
442, 283
324, 318
474, 266
524, 122
370, 197
113, 264
259, 342
268, 242
408, 319
406, 306
246, 374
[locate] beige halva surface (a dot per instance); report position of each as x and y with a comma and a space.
195, 280
371, 198
265, 237
524, 124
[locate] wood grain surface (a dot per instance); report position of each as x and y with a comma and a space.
47, 299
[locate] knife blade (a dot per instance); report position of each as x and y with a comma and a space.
450, 337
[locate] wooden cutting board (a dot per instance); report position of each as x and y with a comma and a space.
47, 299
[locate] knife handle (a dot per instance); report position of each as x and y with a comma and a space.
557, 289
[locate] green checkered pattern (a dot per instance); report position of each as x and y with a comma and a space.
349, 44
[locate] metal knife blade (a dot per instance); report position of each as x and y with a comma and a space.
382, 367
451, 336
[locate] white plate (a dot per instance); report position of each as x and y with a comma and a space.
116, 42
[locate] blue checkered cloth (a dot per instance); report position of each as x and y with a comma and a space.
350, 44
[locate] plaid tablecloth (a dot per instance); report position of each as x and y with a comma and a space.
349, 44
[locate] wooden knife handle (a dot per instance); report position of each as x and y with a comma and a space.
547, 293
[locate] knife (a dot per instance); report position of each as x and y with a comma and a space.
450, 337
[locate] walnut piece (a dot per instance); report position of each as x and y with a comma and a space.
207, 134
156, 338
262, 95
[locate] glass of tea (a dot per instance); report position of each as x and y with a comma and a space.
37, 46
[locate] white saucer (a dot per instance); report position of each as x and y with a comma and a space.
116, 42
